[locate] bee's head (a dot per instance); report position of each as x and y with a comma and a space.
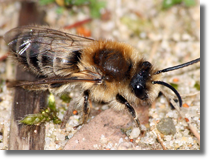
140, 79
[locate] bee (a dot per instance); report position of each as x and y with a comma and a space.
105, 70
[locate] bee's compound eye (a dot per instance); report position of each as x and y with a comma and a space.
138, 85
139, 91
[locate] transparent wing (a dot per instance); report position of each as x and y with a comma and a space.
42, 39
46, 51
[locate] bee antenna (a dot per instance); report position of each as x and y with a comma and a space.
178, 66
170, 87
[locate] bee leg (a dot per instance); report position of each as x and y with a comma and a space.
86, 109
122, 100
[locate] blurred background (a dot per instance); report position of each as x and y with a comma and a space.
167, 32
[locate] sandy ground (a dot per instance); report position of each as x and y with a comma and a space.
166, 37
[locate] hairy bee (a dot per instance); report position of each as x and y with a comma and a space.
106, 71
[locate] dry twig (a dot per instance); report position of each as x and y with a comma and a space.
79, 23
192, 129
4, 57
159, 139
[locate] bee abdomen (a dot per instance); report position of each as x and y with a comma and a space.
43, 55
26, 54
67, 64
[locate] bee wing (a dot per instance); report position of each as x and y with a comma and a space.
46, 51
84, 76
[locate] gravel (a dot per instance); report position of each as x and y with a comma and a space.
166, 38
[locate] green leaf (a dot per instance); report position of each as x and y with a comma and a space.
56, 120
169, 3
33, 119
60, 10
46, 2
46, 115
197, 86
51, 103
174, 85
79, 2
65, 98
95, 7
189, 3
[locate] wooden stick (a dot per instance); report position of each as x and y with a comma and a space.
24, 137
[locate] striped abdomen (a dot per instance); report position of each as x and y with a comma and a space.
49, 55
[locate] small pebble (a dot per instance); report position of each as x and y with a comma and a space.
166, 126
125, 146
134, 133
